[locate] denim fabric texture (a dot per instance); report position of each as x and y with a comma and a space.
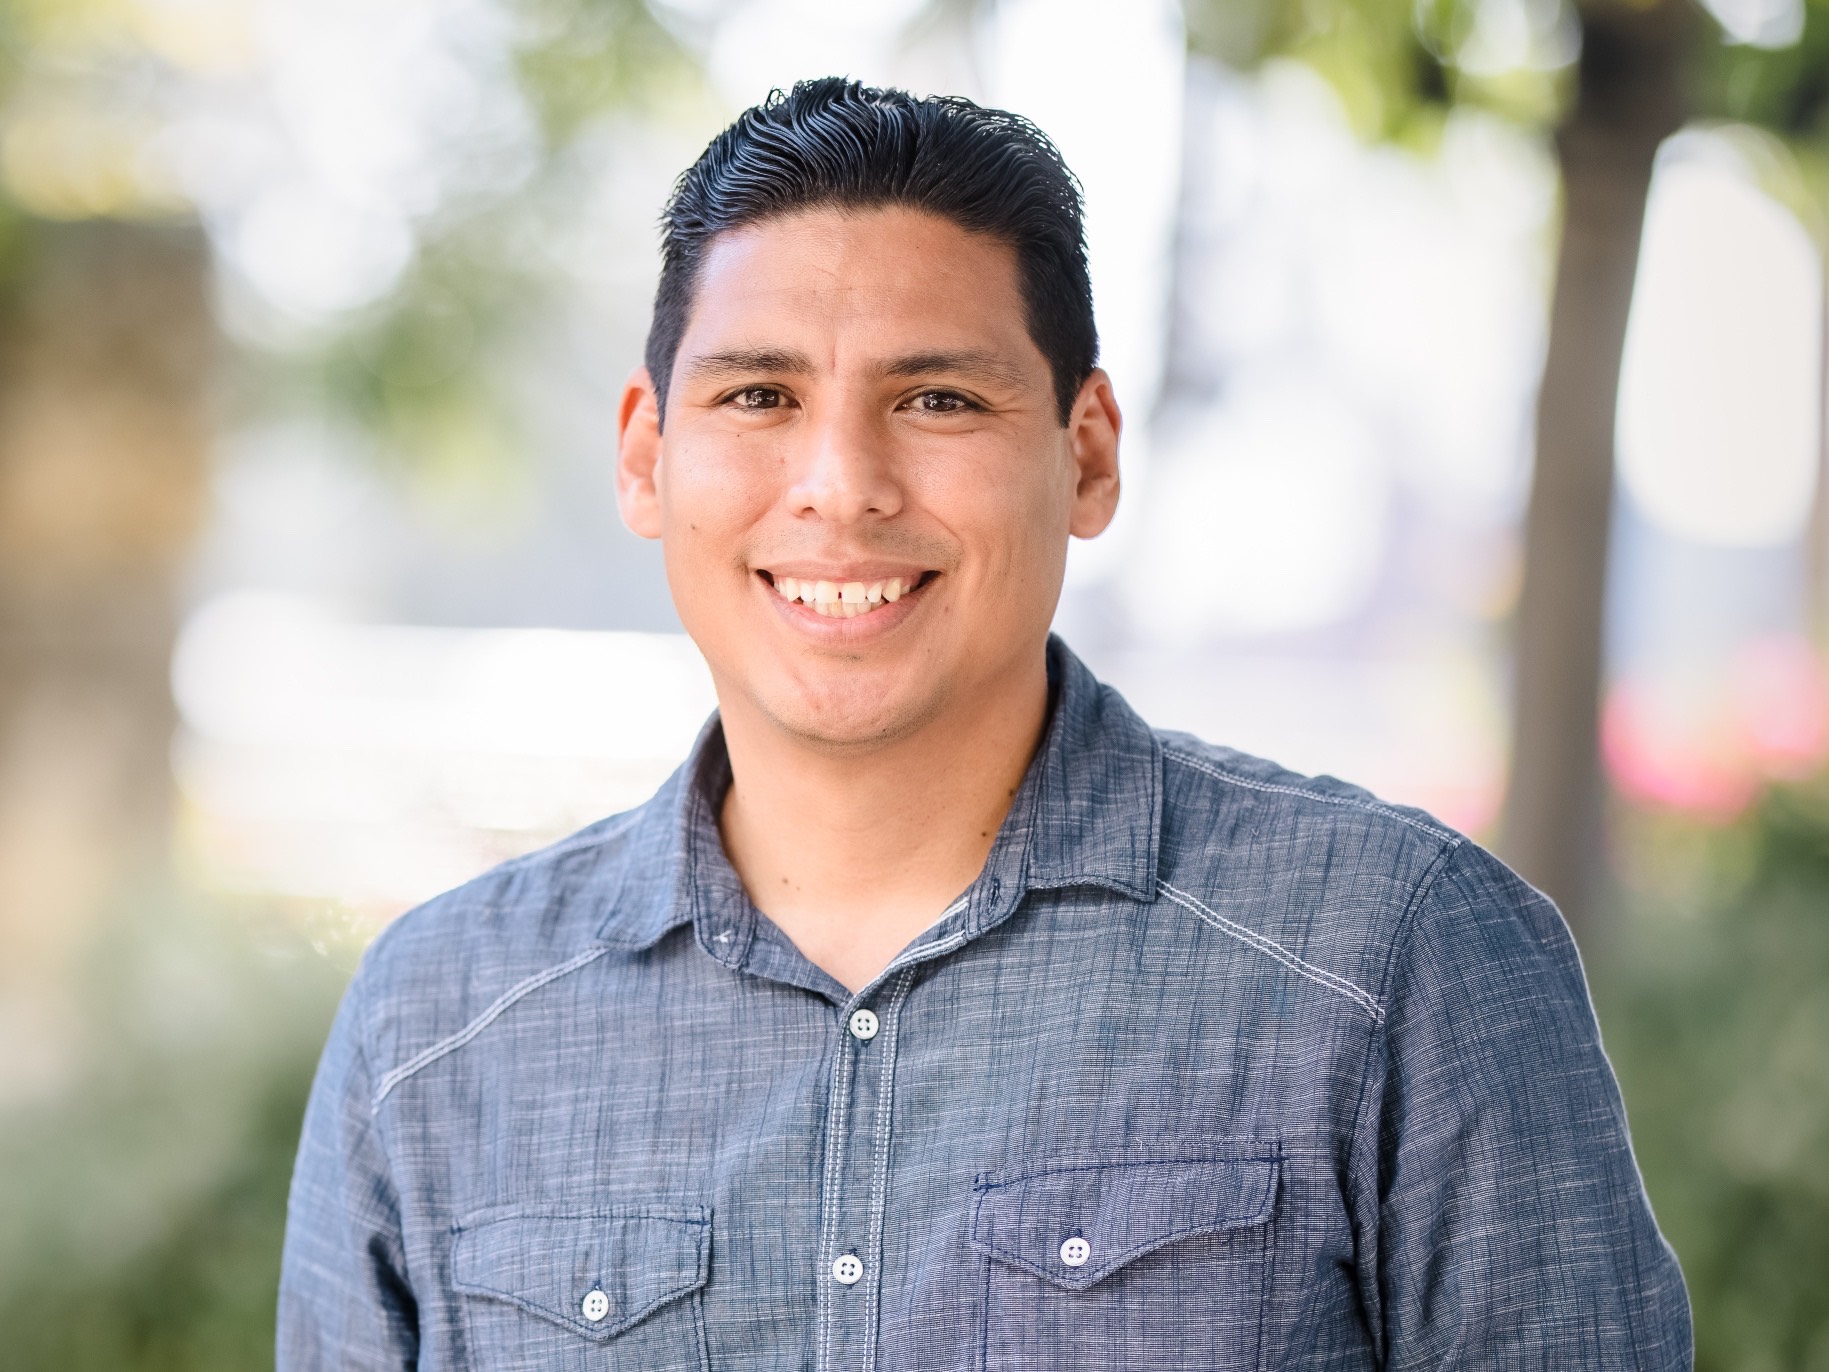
1213, 1067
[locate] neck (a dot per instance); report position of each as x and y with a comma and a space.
853, 854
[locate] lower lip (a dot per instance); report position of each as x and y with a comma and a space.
836, 627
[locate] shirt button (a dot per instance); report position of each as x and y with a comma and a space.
596, 1305
848, 1269
1076, 1252
864, 1025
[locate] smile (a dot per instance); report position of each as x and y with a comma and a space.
845, 599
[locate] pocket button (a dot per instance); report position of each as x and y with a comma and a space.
1076, 1252
595, 1306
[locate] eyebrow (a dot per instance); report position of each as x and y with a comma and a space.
734, 362
967, 362
741, 362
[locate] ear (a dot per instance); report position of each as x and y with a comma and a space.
638, 456
1092, 438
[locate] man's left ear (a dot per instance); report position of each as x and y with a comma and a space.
638, 456
1092, 433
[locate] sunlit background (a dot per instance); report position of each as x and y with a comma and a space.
314, 601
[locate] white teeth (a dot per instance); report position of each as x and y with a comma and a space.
844, 600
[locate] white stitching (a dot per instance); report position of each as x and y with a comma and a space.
837, 1102
1271, 948
1233, 779
885, 1106
926, 951
480, 1023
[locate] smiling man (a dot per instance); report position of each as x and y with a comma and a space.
938, 1013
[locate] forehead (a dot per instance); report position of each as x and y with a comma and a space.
841, 282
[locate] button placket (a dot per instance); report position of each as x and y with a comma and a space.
855, 1180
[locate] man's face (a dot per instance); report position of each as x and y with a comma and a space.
864, 490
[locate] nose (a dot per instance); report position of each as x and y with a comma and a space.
847, 475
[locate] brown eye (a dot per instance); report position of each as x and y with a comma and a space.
758, 398
940, 402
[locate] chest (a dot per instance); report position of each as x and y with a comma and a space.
972, 1166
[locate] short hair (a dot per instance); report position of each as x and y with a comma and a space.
834, 143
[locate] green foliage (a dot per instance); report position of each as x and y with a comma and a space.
580, 59
145, 1204
1785, 89
1395, 63
1371, 51
423, 371
199, 1297
1715, 1003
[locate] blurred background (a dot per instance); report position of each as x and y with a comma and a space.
1473, 359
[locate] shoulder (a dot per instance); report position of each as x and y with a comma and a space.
448, 965
1313, 872
1218, 797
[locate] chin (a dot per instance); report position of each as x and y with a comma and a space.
850, 719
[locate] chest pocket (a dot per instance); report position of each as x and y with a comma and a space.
616, 1288
1135, 1264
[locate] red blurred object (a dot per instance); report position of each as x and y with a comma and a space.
1707, 745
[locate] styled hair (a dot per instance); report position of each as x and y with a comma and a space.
839, 144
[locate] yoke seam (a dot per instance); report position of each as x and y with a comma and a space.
1369, 806
1272, 949
451, 1043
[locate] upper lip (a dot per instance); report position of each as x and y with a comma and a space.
856, 571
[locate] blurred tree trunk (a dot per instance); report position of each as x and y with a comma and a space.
105, 346
1630, 96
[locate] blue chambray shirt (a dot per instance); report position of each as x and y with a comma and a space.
1212, 1067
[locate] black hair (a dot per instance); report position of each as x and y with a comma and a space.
841, 144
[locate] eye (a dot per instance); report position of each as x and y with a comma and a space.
757, 398
941, 402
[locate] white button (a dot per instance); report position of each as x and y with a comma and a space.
596, 1306
864, 1025
1076, 1252
848, 1269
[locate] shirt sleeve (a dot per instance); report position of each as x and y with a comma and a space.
345, 1302
1512, 1228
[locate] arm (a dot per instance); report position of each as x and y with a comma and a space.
345, 1304
1512, 1229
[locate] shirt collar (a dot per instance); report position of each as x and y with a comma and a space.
1089, 813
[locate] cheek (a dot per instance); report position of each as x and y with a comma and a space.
1014, 512
710, 497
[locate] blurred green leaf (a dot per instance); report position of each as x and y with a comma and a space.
1716, 1013
145, 1202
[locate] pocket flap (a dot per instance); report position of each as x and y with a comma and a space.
1119, 1210
640, 1258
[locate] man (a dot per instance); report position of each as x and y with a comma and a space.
938, 1013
